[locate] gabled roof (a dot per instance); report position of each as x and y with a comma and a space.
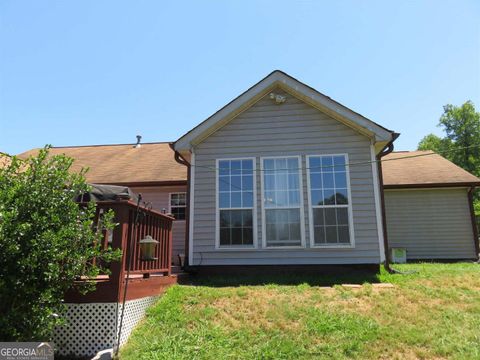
149, 164
423, 169
296, 88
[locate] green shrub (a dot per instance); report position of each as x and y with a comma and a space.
46, 242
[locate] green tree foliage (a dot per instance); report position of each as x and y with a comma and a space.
461, 143
46, 242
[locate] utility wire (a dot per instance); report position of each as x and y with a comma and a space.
213, 168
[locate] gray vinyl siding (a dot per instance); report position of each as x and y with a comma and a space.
158, 197
293, 128
430, 224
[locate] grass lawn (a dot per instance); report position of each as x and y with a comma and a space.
431, 314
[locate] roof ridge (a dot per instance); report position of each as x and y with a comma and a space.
99, 145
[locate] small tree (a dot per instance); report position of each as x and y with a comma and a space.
46, 242
461, 145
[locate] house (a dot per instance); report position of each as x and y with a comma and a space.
284, 175
149, 169
429, 207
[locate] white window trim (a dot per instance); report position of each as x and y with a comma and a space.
254, 209
170, 203
302, 214
349, 206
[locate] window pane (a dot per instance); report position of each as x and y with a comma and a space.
342, 216
236, 236
281, 198
236, 218
182, 199
319, 234
281, 165
270, 199
224, 167
225, 236
269, 181
293, 198
236, 201
178, 213
271, 231
341, 196
247, 167
316, 181
339, 162
235, 183
225, 218
247, 220
247, 236
293, 181
247, 182
295, 231
331, 234
224, 200
343, 235
268, 164
340, 180
328, 197
330, 216
224, 183
236, 167
328, 180
318, 217
314, 164
247, 199
327, 164
317, 197
292, 164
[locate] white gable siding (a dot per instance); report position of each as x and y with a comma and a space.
158, 197
430, 223
292, 128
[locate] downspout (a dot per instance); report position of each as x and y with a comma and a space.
474, 223
181, 160
385, 151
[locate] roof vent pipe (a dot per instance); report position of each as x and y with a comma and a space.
139, 138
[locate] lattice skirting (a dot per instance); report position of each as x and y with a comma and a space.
93, 327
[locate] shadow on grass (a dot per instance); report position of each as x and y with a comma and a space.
338, 276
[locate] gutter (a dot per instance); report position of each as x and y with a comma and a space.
385, 151
476, 240
181, 160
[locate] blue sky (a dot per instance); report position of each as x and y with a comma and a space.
96, 72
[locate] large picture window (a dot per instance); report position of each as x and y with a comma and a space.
235, 197
330, 210
282, 202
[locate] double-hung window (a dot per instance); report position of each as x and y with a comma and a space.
235, 202
282, 202
330, 203
178, 205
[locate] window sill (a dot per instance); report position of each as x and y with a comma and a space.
332, 246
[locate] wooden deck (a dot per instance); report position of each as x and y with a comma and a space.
146, 277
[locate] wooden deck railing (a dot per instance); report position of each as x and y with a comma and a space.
147, 277
159, 227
